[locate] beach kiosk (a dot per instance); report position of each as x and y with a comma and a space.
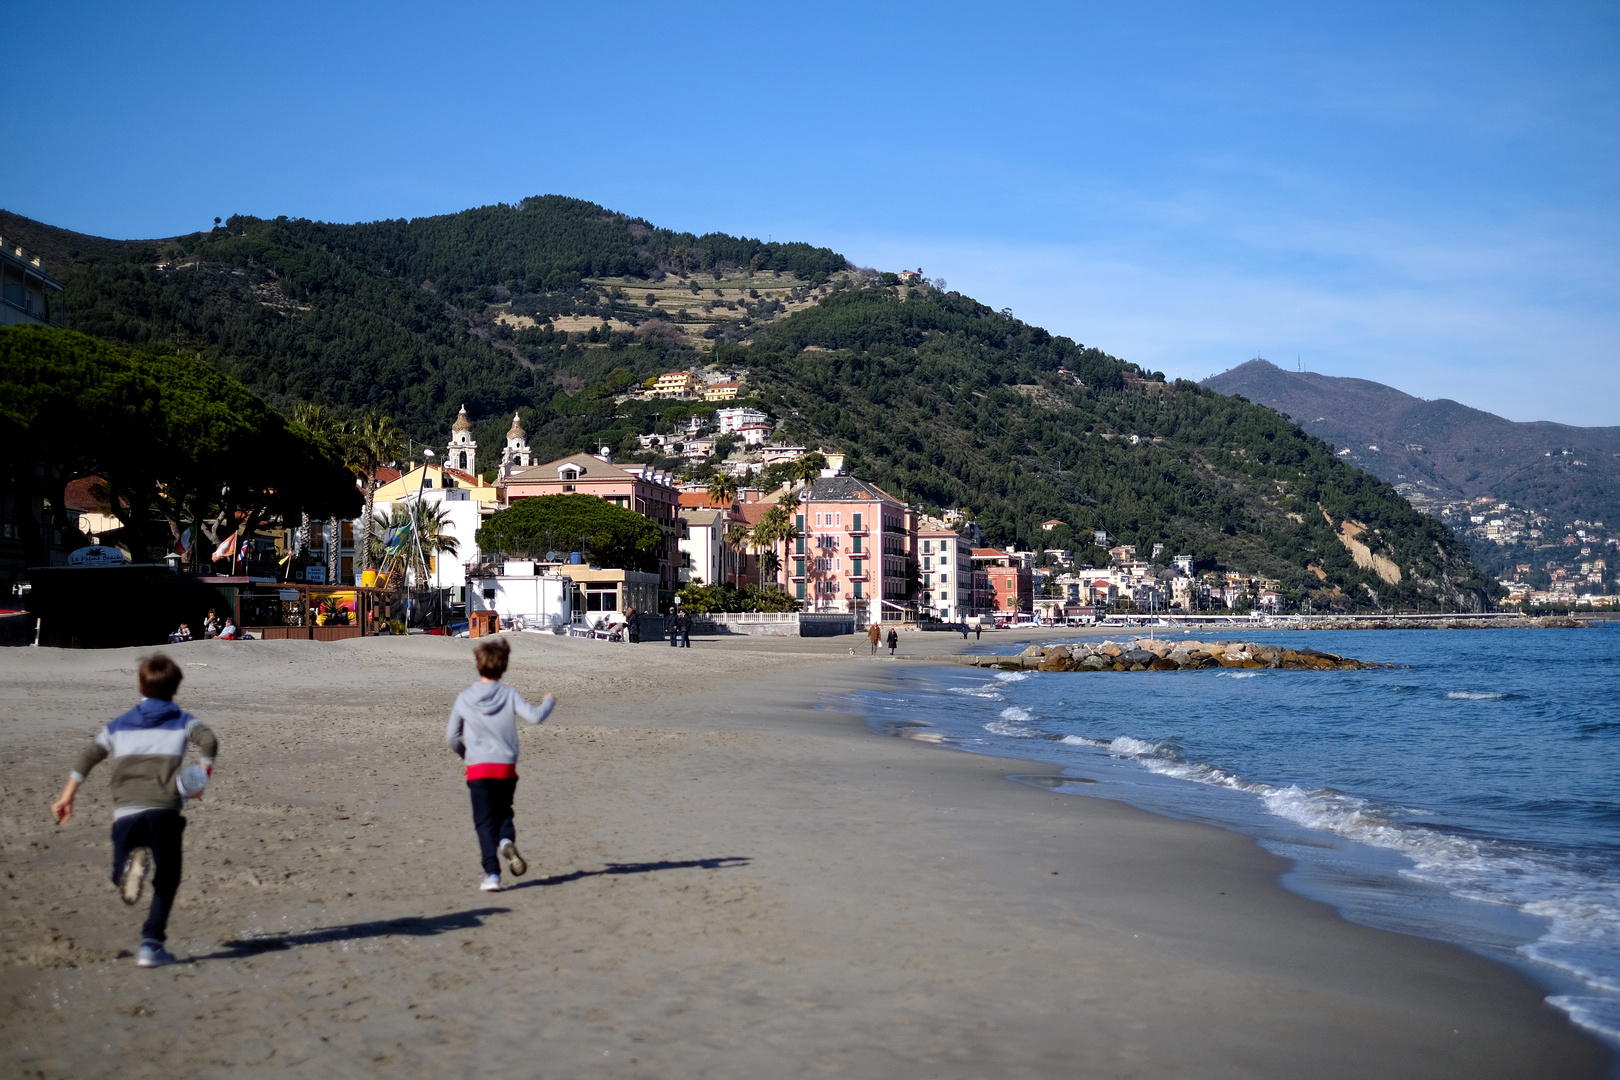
313, 612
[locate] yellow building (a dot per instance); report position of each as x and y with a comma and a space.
676, 384
724, 391
435, 477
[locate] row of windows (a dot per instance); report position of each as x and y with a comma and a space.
856, 593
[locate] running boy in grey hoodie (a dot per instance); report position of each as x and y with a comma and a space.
483, 731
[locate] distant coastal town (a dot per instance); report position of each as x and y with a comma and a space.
1542, 562
841, 545
784, 520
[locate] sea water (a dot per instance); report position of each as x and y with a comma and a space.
1472, 795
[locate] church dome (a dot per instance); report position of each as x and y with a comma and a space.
516, 431
462, 423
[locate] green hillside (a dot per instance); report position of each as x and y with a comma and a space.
932, 394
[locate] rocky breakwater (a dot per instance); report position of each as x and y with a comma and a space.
1147, 655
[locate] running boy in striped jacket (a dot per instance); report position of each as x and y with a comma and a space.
483, 732
148, 747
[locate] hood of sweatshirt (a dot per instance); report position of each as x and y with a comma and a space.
150, 713
486, 699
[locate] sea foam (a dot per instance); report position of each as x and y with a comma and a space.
1583, 935
1014, 723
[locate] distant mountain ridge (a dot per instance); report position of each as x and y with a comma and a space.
1441, 448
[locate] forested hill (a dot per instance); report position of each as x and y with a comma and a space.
553, 307
405, 316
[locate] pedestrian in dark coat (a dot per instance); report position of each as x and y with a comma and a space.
894, 642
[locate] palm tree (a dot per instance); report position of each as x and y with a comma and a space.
321, 423
774, 528
722, 489
313, 417
374, 440
808, 468
737, 536
430, 527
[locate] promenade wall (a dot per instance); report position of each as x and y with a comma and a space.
775, 623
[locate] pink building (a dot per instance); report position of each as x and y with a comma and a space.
855, 551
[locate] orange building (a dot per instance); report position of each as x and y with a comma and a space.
1011, 585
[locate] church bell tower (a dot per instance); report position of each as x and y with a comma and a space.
515, 455
462, 452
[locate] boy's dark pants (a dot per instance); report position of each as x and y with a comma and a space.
159, 830
492, 817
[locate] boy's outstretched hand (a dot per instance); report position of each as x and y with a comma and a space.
62, 808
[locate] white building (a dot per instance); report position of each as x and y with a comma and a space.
523, 597
736, 419
464, 516
702, 545
770, 455
945, 563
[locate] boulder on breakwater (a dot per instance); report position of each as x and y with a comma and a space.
1148, 655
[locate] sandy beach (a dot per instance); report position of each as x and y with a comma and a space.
729, 878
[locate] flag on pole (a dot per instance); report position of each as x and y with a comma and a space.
183, 545
227, 548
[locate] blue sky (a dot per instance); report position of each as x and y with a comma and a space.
1420, 194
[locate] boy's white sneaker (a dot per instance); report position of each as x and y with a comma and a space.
137, 868
514, 861
154, 956
491, 883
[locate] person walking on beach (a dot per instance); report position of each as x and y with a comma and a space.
148, 747
875, 636
674, 621
685, 619
633, 625
894, 641
483, 733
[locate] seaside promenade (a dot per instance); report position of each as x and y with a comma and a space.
730, 877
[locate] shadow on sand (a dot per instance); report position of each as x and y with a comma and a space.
432, 925
635, 868
410, 926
